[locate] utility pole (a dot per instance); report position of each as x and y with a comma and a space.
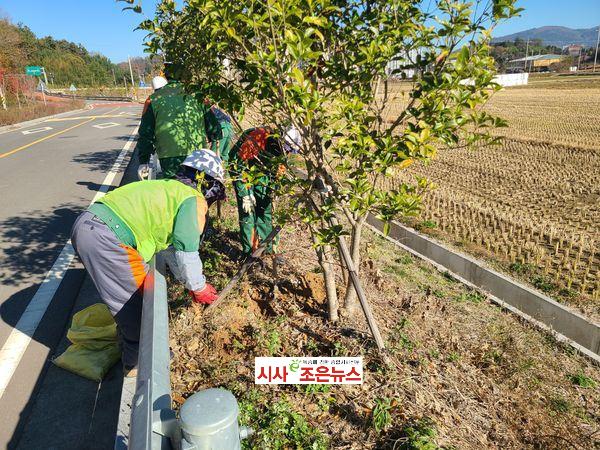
114, 76
596, 56
526, 53
130, 71
45, 76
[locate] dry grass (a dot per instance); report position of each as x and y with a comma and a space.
35, 110
465, 374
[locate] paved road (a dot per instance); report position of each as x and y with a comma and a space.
49, 173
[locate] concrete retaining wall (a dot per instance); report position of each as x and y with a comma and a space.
566, 324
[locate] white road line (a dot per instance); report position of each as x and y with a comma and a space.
14, 348
102, 126
36, 130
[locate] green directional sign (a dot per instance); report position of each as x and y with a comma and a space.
36, 71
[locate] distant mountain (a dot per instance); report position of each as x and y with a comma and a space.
554, 35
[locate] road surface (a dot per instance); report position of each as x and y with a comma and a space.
49, 173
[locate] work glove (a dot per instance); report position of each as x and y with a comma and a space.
206, 295
248, 203
143, 171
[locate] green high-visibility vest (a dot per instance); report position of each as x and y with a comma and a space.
149, 209
179, 121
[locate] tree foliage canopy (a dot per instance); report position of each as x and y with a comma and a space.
323, 66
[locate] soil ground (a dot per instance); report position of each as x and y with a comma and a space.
465, 374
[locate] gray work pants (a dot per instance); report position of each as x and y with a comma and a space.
118, 272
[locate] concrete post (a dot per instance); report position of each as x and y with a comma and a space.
209, 421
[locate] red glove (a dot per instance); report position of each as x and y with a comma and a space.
206, 295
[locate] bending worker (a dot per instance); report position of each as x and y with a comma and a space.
118, 235
258, 147
174, 124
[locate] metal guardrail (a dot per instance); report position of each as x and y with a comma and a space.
152, 419
207, 420
88, 97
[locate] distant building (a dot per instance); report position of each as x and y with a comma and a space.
573, 50
402, 66
535, 63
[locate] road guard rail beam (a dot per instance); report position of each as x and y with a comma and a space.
545, 313
89, 97
208, 419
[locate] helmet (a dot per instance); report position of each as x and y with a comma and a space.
158, 82
292, 140
206, 161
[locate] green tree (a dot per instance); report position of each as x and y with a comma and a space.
323, 66
12, 53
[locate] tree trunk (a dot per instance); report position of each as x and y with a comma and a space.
351, 303
330, 286
325, 262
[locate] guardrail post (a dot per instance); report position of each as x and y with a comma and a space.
209, 420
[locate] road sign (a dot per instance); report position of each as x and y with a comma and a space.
36, 71
72, 88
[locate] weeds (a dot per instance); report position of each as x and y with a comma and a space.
273, 342
339, 350
324, 402
453, 356
404, 259
543, 284
559, 405
381, 418
521, 268
277, 425
419, 435
311, 346
581, 380
426, 224
470, 297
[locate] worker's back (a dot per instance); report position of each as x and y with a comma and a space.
179, 121
149, 209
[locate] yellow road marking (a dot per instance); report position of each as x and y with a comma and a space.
23, 147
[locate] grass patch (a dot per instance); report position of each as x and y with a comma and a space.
470, 297
559, 405
419, 435
581, 380
277, 425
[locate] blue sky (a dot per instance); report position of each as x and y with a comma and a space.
567, 13
101, 26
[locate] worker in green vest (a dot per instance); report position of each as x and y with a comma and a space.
119, 234
174, 124
258, 150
